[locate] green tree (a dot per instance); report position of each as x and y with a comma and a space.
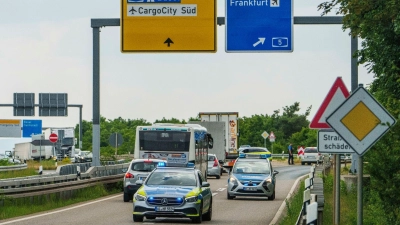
377, 23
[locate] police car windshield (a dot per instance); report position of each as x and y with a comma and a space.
172, 178
252, 167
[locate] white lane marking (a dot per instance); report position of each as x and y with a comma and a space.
214, 194
58, 211
221, 189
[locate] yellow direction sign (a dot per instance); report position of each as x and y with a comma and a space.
168, 26
360, 120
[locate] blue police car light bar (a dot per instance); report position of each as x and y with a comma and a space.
161, 164
242, 155
190, 164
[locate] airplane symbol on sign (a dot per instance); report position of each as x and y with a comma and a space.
132, 10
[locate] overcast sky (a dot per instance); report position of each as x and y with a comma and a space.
46, 47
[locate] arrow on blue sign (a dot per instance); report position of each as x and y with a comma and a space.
259, 26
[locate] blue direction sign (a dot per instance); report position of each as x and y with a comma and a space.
259, 26
30, 127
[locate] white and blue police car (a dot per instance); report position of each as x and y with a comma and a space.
173, 192
252, 175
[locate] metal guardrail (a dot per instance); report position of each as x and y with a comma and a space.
46, 184
13, 167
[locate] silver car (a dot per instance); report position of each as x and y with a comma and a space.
10, 160
214, 166
138, 169
311, 155
252, 177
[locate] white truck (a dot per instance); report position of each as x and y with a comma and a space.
27, 151
231, 133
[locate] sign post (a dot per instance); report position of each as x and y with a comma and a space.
259, 26
361, 121
272, 139
265, 136
116, 140
53, 138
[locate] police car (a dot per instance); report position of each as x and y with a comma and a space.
173, 192
252, 175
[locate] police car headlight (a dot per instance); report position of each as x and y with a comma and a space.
140, 197
191, 199
233, 180
268, 180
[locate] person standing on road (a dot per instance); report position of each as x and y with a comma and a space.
290, 150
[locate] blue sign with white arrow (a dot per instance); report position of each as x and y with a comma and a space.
259, 26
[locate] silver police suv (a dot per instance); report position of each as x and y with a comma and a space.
138, 169
252, 175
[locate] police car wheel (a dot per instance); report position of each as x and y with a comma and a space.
126, 197
208, 215
272, 197
199, 219
137, 218
228, 196
218, 177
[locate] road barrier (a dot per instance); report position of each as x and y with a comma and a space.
313, 197
65, 179
13, 167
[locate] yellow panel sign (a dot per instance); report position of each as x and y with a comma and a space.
10, 122
168, 26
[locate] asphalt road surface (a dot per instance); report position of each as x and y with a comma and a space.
112, 209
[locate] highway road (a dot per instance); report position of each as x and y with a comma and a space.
112, 209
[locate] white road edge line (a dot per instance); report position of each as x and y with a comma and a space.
58, 211
283, 205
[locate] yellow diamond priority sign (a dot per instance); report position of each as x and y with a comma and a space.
168, 26
361, 121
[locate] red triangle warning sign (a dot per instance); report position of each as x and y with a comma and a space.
336, 96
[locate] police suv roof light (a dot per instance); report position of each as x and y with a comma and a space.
161, 164
242, 155
190, 165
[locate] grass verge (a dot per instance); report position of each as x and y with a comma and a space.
23, 206
293, 207
373, 212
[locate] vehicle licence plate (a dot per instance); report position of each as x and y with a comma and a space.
310, 156
142, 178
164, 209
250, 188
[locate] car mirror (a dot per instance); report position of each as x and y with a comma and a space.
275, 172
205, 184
139, 182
